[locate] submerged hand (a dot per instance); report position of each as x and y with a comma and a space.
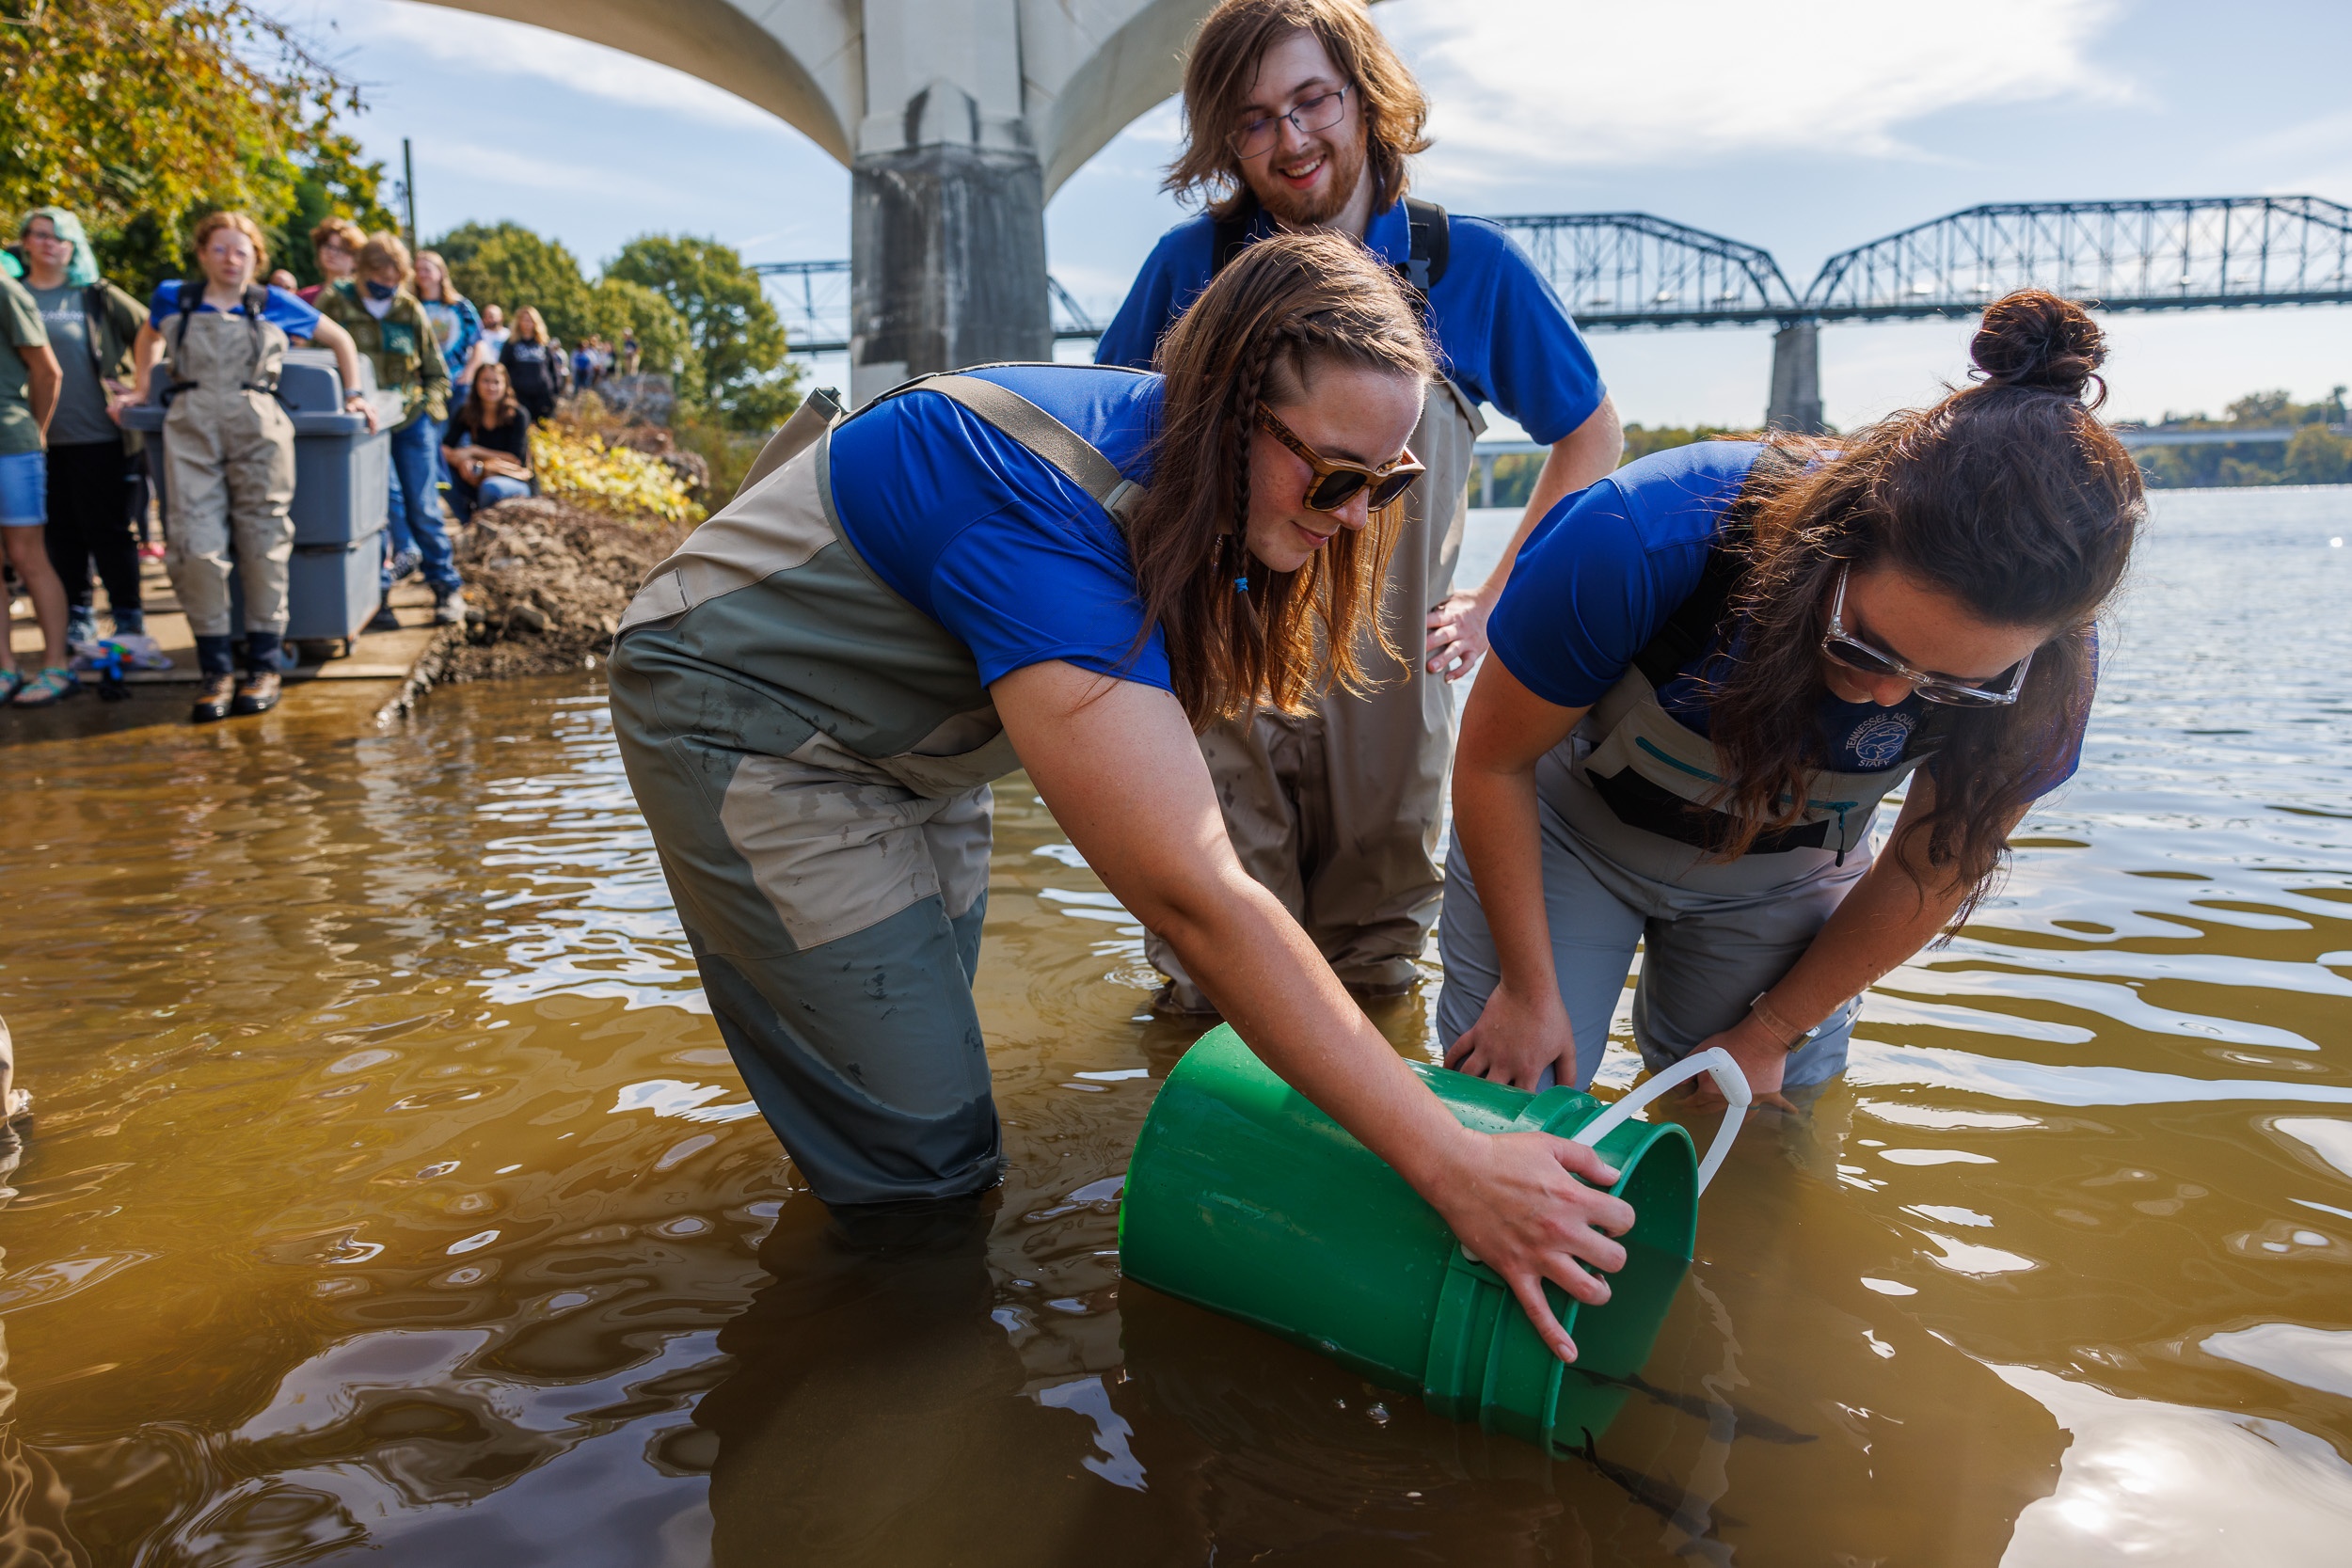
1515, 1204
1514, 1041
1457, 634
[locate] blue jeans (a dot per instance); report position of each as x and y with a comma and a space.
24, 489
416, 503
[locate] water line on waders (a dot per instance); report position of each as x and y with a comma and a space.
1245, 1199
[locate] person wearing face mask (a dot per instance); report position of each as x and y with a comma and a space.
91, 326
1064, 568
229, 449
1708, 670
393, 328
1299, 115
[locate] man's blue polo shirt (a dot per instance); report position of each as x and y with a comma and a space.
1505, 337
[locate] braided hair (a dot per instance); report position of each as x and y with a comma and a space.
1239, 634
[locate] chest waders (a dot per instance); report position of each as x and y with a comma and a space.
229, 466
813, 754
1631, 808
1336, 812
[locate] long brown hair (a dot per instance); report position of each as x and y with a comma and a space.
1287, 306
1224, 62
2008, 495
480, 415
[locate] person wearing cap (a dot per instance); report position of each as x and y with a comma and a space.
1300, 115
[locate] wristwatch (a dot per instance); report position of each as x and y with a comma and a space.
1780, 1030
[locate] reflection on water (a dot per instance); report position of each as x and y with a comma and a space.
391, 1189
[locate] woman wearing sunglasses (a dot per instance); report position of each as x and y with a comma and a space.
1067, 569
1708, 670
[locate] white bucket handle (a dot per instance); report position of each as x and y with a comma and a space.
1728, 1078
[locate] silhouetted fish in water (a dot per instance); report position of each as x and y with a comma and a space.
1752, 1424
1665, 1499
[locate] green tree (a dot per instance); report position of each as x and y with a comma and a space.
2318, 455
330, 181
142, 115
507, 265
747, 378
665, 344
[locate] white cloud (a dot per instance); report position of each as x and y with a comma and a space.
456, 38
1530, 85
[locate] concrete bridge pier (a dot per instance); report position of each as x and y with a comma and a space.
1796, 403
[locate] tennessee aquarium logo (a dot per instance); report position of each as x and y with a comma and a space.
1878, 742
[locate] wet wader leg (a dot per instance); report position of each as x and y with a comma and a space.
1593, 937
260, 479
196, 540
1256, 768
836, 923
1700, 970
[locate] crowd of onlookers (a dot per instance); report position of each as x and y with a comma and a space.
457, 386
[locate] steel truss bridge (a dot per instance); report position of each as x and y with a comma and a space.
1623, 271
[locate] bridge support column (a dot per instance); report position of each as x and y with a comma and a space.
1796, 403
948, 260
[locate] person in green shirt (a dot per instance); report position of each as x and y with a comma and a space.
29, 379
91, 326
389, 323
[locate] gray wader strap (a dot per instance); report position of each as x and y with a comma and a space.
817, 413
1043, 434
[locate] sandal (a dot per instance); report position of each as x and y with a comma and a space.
11, 682
48, 688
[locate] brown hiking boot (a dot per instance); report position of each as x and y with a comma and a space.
256, 693
212, 700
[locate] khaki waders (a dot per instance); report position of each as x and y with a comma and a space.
229, 461
1336, 812
813, 756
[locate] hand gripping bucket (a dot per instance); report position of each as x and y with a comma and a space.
1244, 1198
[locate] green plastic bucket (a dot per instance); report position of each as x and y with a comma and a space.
1244, 1198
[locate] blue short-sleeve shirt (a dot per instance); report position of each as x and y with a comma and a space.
289, 312
989, 540
1502, 332
1601, 573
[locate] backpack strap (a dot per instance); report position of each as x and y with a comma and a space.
93, 322
1431, 244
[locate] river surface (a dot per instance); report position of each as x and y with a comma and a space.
392, 1192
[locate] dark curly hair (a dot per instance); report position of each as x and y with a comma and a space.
2008, 495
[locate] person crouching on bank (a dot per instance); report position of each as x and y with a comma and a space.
1712, 666
1069, 569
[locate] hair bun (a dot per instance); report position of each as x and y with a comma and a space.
2032, 338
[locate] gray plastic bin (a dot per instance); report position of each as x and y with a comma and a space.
331, 590
342, 474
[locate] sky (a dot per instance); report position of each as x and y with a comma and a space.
1805, 127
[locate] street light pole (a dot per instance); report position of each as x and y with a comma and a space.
408, 189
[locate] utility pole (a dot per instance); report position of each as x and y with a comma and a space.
408, 189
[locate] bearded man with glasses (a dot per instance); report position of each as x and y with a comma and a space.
1300, 115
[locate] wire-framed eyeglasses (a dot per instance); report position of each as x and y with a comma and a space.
1859, 656
1258, 133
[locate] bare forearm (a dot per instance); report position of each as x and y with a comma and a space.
1887, 918
1244, 951
41, 390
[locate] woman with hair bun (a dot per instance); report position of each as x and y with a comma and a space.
1089, 564
1712, 666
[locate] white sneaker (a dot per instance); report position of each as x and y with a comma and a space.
142, 652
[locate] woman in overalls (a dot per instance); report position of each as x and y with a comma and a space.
1081, 565
228, 459
1711, 668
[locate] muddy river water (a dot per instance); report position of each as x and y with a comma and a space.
392, 1192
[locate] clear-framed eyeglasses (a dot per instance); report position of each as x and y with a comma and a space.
1859, 656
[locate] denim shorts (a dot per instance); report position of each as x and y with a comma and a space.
24, 489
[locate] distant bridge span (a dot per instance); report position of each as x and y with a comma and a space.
1623, 271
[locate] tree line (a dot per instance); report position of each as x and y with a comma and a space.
142, 116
